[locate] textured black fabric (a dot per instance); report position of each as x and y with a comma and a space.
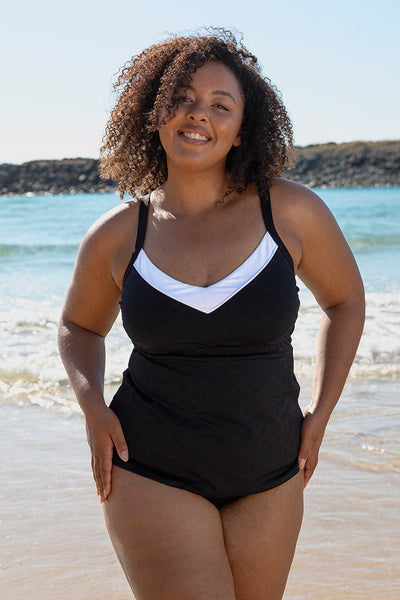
208, 402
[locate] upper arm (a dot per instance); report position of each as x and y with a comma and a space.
325, 262
327, 265
93, 296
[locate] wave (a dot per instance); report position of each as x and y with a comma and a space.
30, 249
374, 241
31, 369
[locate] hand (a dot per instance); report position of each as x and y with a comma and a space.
104, 431
312, 432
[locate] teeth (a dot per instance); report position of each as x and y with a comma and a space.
194, 136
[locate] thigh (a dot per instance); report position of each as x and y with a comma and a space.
169, 541
260, 535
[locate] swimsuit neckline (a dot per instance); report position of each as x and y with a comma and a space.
207, 299
221, 282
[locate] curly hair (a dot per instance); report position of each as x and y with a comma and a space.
147, 88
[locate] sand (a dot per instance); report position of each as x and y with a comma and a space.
56, 545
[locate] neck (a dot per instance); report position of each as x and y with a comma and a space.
192, 193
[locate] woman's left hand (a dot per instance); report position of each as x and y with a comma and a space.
312, 433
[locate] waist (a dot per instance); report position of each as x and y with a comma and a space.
198, 380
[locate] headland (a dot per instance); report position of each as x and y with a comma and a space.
347, 165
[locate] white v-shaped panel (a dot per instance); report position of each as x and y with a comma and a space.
207, 299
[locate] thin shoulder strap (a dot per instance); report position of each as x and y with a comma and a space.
141, 232
269, 224
142, 223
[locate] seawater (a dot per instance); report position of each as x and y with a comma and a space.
39, 238
352, 523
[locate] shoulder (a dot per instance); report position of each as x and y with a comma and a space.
109, 242
326, 264
294, 208
291, 196
305, 223
301, 209
119, 219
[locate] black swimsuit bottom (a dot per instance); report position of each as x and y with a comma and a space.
209, 401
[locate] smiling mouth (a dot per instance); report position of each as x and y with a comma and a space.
194, 136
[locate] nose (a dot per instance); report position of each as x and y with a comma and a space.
197, 112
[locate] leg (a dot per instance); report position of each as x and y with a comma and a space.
169, 541
260, 535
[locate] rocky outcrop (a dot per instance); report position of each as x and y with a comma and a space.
354, 164
67, 176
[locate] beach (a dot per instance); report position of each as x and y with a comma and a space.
55, 543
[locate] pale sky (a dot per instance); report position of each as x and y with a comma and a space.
335, 62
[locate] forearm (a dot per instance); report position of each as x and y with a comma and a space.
83, 354
339, 335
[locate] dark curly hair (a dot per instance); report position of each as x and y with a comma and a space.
148, 85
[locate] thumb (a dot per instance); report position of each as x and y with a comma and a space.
120, 444
302, 463
303, 455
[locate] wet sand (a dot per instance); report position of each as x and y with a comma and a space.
56, 545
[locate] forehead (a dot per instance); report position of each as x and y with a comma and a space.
216, 75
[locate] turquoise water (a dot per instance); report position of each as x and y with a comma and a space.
39, 240
39, 236
370, 220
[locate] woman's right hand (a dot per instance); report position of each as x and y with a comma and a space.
104, 431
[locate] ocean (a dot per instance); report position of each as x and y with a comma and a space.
352, 524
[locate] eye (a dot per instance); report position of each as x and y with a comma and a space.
221, 107
182, 99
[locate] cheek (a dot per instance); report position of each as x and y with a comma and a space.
168, 115
234, 130
163, 136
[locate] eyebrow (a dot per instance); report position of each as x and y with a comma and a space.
215, 93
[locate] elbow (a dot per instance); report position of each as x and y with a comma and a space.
62, 331
351, 310
69, 332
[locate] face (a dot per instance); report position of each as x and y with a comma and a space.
206, 123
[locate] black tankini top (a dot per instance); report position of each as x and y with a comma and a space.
209, 401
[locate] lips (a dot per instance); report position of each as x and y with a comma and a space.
194, 135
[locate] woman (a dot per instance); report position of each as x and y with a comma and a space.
202, 457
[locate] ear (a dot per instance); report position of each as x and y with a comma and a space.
237, 142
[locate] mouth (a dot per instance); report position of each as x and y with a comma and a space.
194, 135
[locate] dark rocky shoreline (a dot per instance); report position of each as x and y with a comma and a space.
353, 164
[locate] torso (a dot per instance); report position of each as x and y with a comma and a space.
209, 400
202, 250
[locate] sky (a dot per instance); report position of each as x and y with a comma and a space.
336, 64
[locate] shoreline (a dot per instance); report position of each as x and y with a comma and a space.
347, 165
56, 539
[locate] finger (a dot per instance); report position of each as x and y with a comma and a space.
310, 467
303, 455
92, 465
308, 472
105, 483
100, 469
105, 475
120, 444
97, 475
304, 468
302, 463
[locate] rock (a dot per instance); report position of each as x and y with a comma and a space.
354, 164
67, 176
